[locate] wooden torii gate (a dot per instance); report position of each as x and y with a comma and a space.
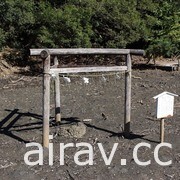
46, 54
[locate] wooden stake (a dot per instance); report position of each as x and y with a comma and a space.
127, 116
46, 96
162, 130
57, 93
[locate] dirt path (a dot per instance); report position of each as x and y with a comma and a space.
21, 122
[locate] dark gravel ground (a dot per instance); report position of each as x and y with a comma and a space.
21, 122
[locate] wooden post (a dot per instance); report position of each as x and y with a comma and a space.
57, 93
127, 116
162, 130
46, 96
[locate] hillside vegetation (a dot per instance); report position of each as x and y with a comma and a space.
153, 25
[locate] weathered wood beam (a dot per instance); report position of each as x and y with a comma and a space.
75, 51
88, 69
137, 52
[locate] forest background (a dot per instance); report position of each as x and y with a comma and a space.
153, 25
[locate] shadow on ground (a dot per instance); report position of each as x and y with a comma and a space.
9, 124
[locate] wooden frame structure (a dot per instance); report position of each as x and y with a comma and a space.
46, 54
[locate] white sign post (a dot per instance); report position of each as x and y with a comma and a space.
164, 109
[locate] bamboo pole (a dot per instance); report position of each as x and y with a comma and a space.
57, 93
46, 96
127, 116
162, 130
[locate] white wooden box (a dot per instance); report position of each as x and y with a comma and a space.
165, 104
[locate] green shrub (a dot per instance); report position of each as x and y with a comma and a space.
150, 24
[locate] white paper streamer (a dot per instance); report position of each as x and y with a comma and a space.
117, 76
103, 78
67, 79
86, 80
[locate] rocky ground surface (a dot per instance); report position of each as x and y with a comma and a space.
91, 113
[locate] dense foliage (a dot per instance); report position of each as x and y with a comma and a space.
149, 24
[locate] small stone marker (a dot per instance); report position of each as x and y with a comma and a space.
164, 109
